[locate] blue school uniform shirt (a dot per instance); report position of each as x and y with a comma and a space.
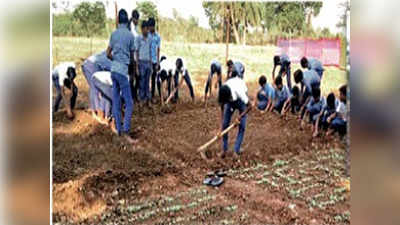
238, 66
143, 46
316, 105
217, 65
122, 43
314, 64
284, 59
155, 44
101, 61
268, 93
311, 79
329, 111
283, 94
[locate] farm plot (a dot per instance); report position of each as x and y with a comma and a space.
283, 177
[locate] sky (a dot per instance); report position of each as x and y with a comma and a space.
328, 17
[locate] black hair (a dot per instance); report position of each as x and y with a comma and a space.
330, 100
278, 80
179, 63
163, 74
343, 90
215, 69
163, 58
144, 24
262, 80
229, 63
71, 73
295, 91
316, 92
298, 76
235, 73
135, 14
151, 22
304, 62
277, 60
224, 94
123, 17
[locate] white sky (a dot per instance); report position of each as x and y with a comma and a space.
328, 17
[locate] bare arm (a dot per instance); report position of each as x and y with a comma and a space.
221, 117
273, 72
316, 125
109, 53
331, 117
132, 57
304, 118
158, 57
269, 105
137, 64
285, 106
161, 93
66, 96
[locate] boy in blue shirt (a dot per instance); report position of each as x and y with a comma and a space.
264, 95
235, 66
293, 103
282, 95
144, 68
312, 64
314, 106
329, 109
308, 80
93, 64
134, 81
121, 50
102, 83
338, 119
215, 68
155, 53
284, 62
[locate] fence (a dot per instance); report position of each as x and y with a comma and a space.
328, 51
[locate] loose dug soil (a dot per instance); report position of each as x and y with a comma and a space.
283, 177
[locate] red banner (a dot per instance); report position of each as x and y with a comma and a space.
328, 51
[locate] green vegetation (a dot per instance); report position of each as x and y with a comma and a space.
257, 59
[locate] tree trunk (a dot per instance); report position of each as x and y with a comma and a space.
309, 20
244, 29
235, 32
116, 15
228, 32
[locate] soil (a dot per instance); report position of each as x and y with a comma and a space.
284, 176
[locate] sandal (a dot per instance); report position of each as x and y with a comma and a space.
213, 181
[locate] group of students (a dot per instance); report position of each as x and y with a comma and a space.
328, 113
131, 69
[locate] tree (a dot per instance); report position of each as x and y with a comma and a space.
345, 9
147, 9
311, 9
289, 18
91, 17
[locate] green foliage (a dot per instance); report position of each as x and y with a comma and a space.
184, 30
267, 20
91, 17
63, 25
147, 10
